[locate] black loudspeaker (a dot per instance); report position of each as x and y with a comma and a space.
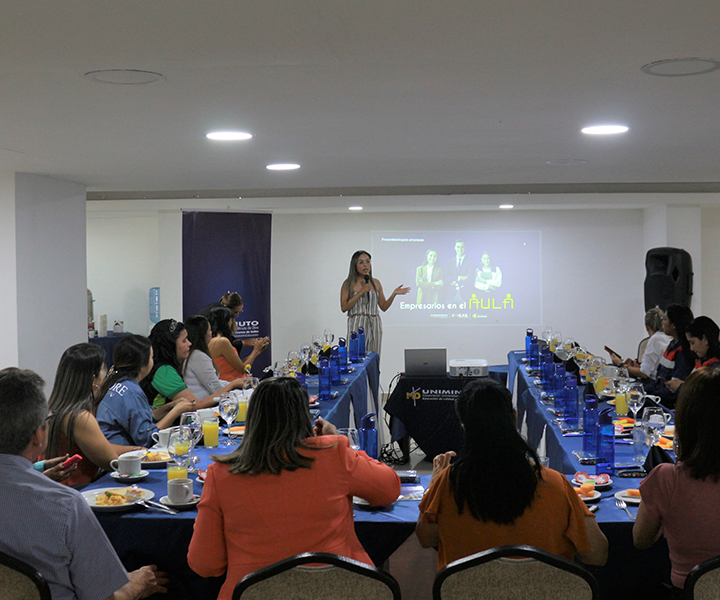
668, 277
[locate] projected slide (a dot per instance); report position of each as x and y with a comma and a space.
465, 278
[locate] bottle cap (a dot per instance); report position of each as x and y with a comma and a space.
368, 421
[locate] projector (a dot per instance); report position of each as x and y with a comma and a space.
469, 367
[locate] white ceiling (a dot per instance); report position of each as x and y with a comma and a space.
377, 96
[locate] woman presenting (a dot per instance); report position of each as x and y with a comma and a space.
360, 297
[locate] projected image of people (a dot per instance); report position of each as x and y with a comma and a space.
429, 279
458, 271
488, 278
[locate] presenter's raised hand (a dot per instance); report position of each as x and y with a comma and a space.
400, 290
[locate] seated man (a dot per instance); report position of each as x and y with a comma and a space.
48, 525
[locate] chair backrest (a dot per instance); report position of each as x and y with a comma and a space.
641, 348
492, 575
20, 581
703, 582
318, 575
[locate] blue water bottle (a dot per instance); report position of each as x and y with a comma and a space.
528, 343
323, 379
534, 363
353, 353
335, 366
342, 349
546, 368
605, 443
570, 401
558, 390
369, 436
590, 420
361, 343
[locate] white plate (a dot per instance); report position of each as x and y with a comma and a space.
623, 495
669, 432
593, 498
129, 478
188, 506
591, 480
91, 498
158, 464
314, 405
228, 433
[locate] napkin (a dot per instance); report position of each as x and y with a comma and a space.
655, 457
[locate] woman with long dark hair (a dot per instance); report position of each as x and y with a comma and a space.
497, 494
73, 402
361, 295
677, 361
679, 501
245, 519
124, 414
225, 356
199, 372
702, 335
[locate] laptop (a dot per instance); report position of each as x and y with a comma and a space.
426, 362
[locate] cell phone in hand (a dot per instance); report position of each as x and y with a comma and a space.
73, 460
611, 351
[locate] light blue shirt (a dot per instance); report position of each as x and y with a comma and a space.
51, 527
125, 417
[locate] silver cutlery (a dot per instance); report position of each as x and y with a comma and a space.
620, 503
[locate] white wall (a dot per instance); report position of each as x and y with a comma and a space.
51, 270
123, 263
711, 259
8, 273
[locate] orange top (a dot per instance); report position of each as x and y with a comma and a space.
554, 522
246, 522
226, 371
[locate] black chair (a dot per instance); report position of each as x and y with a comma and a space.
20, 581
703, 582
536, 574
318, 575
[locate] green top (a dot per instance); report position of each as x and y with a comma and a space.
168, 383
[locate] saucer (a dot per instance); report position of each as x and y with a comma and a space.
188, 506
130, 478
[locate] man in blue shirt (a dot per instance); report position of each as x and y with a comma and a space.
48, 525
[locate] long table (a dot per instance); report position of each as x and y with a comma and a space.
629, 573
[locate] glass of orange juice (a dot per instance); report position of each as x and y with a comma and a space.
177, 472
211, 431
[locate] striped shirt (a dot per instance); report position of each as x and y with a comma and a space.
51, 527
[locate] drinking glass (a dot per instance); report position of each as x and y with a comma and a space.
555, 341
180, 446
580, 356
211, 431
305, 353
193, 422
546, 332
635, 398
294, 361
653, 423
328, 336
229, 408
351, 434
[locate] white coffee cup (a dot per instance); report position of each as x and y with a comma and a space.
127, 464
206, 413
180, 491
162, 437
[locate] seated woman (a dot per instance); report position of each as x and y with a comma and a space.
677, 361
702, 335
235, 303
164, 386
124, 413
245, 520
225, 356
73, 403
680, 501
497, 494
658, 342
199, 372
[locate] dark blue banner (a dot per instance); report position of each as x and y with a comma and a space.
229, 252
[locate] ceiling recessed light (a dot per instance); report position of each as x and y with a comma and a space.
283, 167
228, 136
124, 76
355, 207
681, 67
566, 161
506, 206
604, 129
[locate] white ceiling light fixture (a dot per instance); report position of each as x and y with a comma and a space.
681, 67
566, 162
604, 129
355, 207
283, 167
228, 136
506, 206
124, 76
